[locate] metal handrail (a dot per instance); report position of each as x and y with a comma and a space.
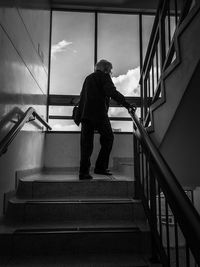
186, 215
151, 39
159, 54
18, 126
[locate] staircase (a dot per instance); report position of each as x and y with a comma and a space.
58, 214
173, 84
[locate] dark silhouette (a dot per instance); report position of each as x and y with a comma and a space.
97, 90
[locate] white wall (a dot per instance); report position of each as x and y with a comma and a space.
26, 152
63, 149
24, 46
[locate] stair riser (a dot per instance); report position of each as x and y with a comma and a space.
75, 211
108, 189
75, 242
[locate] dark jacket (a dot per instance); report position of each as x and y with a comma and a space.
97, 90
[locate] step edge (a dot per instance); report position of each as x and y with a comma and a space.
74, 201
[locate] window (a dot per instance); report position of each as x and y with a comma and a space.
72, 58
73, 52
118, 42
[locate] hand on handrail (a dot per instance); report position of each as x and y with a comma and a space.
132, 108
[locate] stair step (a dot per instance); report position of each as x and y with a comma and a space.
74, 210
77, 260
7, 226
73, 189
69, 216
52, 239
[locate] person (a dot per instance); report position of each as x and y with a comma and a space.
96, 92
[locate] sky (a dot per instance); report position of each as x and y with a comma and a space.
73, 49
126, 83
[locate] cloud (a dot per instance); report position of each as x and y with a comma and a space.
60, 47
128, 84
65, 125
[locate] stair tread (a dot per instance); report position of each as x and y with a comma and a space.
73, 200
67, 214
9, 227
37, 179
123, 259
73, 177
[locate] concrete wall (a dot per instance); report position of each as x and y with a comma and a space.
63, 149
178, 80
24, 46
181, 145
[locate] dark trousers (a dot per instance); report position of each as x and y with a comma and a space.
87, 137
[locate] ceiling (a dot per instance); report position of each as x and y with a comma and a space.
110, 5
145, 6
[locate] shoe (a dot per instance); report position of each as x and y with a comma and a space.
102, 172
85, 177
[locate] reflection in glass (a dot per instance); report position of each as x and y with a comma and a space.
72, 57
118, 42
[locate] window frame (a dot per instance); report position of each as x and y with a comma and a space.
71, 100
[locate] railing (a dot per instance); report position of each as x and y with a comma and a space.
160, 52
174, 222
29, 114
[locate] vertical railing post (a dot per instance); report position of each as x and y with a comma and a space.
145, 100
136, 167
141, 63
153, 207
162, 41
142, 97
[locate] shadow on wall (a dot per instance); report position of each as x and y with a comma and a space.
8, 121
36, 4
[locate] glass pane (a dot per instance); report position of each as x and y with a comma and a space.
170, 26
64, 125
122, 112
138, 112
72, 57
147, 24
60, 110
113, 111
122, 126
69, 125
118, 42
118, 112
